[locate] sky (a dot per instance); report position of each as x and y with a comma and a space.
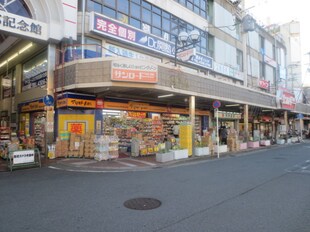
284, 11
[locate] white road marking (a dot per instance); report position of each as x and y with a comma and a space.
144, 162
126, 164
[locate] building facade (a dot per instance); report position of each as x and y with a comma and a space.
63, 62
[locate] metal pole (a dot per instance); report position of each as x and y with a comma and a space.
83, 28
217, 133
192, 117
244, 51
175, 51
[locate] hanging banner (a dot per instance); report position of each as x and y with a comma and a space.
286, 99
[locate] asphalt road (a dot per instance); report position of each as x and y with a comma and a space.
263, 191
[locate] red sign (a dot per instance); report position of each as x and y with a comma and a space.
99, 104
263, 84
287, 99
130, 71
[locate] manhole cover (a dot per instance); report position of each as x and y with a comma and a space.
142, 203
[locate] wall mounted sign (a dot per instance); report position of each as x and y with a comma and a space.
23, 26
229, 115
228, 71
114, 29
263, 84
286, 98
134, 71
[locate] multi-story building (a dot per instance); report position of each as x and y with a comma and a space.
126, 55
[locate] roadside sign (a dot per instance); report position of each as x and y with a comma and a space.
216, 104
48, 100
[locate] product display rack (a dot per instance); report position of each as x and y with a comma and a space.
39, 131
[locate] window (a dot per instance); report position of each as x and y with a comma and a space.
123, 6
239, 60
135, 10
156, 20
109, 12
110, 3
94, 6
146, 16
135, 23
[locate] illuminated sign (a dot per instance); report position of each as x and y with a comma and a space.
72, 102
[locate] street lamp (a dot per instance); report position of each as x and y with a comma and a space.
187, 40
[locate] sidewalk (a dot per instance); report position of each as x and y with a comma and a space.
134, 163
142, 163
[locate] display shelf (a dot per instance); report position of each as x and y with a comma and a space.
39, 130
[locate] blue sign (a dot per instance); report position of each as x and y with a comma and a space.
108, 27
48, 100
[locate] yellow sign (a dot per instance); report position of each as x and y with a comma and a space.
33, 106
72, 102
136, 106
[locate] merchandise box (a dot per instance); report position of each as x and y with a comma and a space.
265, 142
222, 148
243, 146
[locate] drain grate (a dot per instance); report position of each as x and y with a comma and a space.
142, 203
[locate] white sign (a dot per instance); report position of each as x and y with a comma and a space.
228, 71
23, 26
22, 157
186, 54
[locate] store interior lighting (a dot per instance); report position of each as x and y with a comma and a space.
16, 54
167, 95
266, 110
232, 105
109, 113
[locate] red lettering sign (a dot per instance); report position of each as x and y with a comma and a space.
263, 84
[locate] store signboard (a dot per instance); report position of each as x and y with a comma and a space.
286, 98
76, 127
99, 103
113, 50
72, 102
23, 26
132, 114
149, 108
270, 61
34, 80
133, 71
23, 157
32, 106
228, 71
229, 115
120, 31
263, 84
186, 54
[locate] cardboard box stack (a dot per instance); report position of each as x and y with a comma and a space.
62, 145
233, 141
76, 146
89, 145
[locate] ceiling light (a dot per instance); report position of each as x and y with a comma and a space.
267, 110
25, 48
232, 105
3, 63
12, 57
167, 95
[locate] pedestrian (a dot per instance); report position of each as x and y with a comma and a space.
224, 135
